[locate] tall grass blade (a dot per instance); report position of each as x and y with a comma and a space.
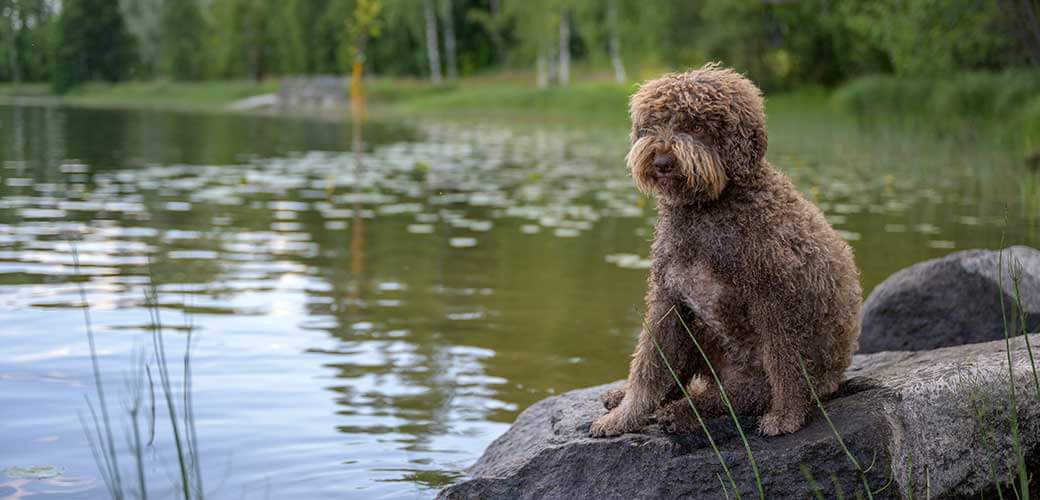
807, 474
834, 430
134, 388
910, 474
1016, 441
189, 414
697, 414
97, 449
839, 493
108, 447
729, 405
151, 392
1016, 280
722, 483
152, 302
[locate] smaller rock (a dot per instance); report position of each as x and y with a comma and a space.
952, 301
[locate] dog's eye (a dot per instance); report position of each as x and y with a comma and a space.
698, 128
640, 132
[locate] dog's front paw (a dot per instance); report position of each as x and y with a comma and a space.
612, 398
677, 418
612, 424
775, 424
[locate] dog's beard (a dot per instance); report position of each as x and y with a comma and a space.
697, 168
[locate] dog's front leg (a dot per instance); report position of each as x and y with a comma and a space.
789, 396
649, 380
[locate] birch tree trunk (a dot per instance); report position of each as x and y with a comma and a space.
542, 69
565, 48
451, 64
615, 42
432, 52
11, 30
496, 35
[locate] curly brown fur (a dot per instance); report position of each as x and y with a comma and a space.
751, 266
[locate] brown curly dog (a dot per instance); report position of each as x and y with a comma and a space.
739, 255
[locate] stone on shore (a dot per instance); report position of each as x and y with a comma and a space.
938, 418
950, 301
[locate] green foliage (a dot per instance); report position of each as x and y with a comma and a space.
974, 95
884, 94
364, 24
183, 30
91, 43
602, 100
144, 20
964, 103
780, 44
167, 94
400, 50
245, 38
25, 25
928, 37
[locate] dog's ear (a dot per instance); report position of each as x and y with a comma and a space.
745, 140
745, 146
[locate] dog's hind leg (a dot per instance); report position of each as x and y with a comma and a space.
748, 395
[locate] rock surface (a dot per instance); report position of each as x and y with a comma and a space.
939, 417
953, 300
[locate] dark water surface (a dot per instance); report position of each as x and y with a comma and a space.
365, 333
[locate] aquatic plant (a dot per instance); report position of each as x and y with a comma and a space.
100, 435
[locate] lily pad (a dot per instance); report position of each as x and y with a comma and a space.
34, 472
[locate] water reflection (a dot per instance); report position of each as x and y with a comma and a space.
367, 331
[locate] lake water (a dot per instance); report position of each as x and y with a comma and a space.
365, 331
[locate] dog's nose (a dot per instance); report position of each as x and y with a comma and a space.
663, 162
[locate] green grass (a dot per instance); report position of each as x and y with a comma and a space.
167, 95
1007, 101
201, 96
600, 100
24, 89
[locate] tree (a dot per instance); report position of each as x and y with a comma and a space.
928, 37
247, 34
451, 62
9, 13
565, 47
91, 43
26, 27
144, 20
1023, 18
494, 23
182, 39
614, 45
536, 27
432, 51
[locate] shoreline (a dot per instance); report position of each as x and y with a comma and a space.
600, 103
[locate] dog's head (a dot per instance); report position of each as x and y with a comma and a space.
694, 133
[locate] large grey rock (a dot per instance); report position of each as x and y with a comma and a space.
937, 418
951, 301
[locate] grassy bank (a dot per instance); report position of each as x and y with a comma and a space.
188, 96
1006, 105
587, 100
1008, 101
408, 95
